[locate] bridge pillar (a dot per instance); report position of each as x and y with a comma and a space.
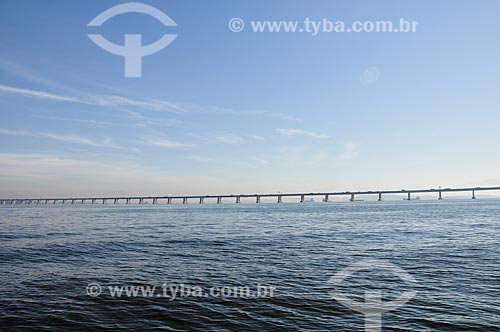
127, 201
64, 201
302, 198
238, 199
473, 194
409, 197
94, 201
141, 200
327, 198
115, 201
83, 201
184, 200
279, 198
257, 199
380, 197
352, 198
104, 201
201, 200
155, 200
440, 196
55, 201
219, 200
169, 200
73, 201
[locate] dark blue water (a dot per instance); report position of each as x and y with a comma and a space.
49, 254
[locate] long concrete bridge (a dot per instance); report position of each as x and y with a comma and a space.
303, 197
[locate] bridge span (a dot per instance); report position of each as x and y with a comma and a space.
236, 198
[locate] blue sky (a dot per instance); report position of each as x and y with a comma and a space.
218, 111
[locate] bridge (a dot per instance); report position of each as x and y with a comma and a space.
302, 197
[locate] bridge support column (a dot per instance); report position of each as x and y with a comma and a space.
94, 201
219, 200
352, 198
440, 195
302, 198
184, 200
141, 200
409, 197
83, 201
169, 200
327, 198
73, 201
115, 201
380, 197
238, 199
55, 201
155, 200
127, 201
257, 199
473, 194
280, 199
201, 200
64, 201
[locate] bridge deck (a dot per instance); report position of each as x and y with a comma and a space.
279, 196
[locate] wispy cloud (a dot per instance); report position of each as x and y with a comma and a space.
350, 151
370, 75
101, 100
84, 121
229, 138
165, 143
38, 94
290, 132
72, 139
144, 104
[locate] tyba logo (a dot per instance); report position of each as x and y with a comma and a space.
133, 50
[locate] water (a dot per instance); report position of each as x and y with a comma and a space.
49, 254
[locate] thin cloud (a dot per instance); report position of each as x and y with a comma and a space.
370, 75
350, 151
290, 132
165, 143
72, 139
145, 104
229, 138
38, 94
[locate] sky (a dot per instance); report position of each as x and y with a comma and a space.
218, 111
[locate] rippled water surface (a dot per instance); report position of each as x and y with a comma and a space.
49, 254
